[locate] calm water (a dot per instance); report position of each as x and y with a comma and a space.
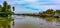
33, 22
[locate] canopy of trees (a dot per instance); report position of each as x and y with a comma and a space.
5, 10
49, 11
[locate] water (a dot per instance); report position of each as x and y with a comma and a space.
33, 22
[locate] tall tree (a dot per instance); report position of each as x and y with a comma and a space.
6, 9
5, 4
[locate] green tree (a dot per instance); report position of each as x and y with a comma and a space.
5, 4
6, 9
58, 11
49, 11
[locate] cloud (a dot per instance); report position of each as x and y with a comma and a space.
56, 1
32, 6
24, 10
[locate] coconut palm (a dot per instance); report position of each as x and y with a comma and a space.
6, 9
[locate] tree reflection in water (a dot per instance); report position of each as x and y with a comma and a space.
5, 22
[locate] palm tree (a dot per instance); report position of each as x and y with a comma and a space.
6, 8
5, 11
5, 4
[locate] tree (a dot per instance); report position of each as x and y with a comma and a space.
8, 11
5, 4
5, 9
8, 7
49, 11
58, 11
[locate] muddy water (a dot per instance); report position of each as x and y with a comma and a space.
32, 22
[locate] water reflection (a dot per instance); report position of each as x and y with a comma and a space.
31, 22
5, 22
35, 22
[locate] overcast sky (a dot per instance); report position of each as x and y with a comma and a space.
33, 6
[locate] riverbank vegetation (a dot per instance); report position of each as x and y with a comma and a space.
5, 15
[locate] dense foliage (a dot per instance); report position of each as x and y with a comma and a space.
58, 11
5, 10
